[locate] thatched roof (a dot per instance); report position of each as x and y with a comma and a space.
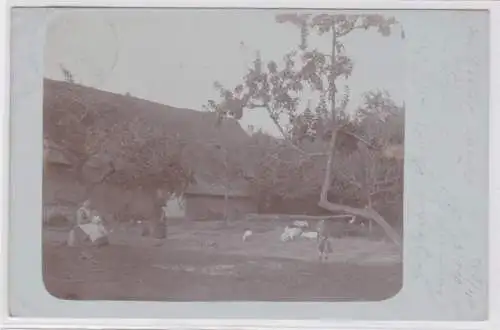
110, 108
196, 128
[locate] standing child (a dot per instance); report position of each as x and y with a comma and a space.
324, 243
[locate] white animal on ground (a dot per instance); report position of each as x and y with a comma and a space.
295, 232
247, 234
301, 224
290, 233
310, 234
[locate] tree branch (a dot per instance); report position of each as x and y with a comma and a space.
317, 154
282, 131
381, 191
347, 31
360, 139
367, 213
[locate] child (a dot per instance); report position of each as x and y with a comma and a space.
324, 244
324, 248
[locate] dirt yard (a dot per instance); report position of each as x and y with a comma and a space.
209, 261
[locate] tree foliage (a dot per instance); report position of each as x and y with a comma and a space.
363, 177
147, 158
278, 88
137, 153
379, 177
280, 173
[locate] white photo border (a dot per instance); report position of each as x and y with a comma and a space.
9, 132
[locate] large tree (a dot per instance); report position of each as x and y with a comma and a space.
278, 91
378, 178
286, 182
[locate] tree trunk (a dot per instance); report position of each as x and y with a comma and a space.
367, 213
329, 166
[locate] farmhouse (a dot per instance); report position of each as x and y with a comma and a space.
197, 129
206, 200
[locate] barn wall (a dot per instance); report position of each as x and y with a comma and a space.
200, 206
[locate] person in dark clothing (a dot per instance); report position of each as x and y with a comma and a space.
159, 222
324, 243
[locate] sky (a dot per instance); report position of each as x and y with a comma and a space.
173, 56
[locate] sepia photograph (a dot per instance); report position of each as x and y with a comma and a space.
223, 155
260, 168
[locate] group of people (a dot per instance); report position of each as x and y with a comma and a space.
87, 218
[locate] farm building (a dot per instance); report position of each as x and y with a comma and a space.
206, 200
207, 145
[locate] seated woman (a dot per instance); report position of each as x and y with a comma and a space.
89, 228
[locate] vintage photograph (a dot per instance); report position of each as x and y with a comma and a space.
223, 154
